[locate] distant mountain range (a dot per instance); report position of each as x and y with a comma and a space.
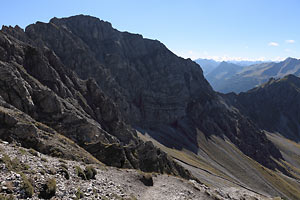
221, 73
209, 65
228, 77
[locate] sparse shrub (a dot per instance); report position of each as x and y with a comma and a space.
13, 165
64, 166
62, 161
42, 172
6, 160
79, 194
9, 187
7, 197
56, 153
80, 173
33, 152
48, 189
64, 171
104, 198
146, 178
44, 159
90, 172
52, 171
27, 186
22, 151
132, 197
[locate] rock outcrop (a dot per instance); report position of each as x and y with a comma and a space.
34, 82
273, 106
154, 89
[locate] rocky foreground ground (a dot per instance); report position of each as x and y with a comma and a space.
27, 174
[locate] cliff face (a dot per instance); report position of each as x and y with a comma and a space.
274, 106
150, 84
93, 83
35, 83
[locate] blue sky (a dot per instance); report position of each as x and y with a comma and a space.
219, 29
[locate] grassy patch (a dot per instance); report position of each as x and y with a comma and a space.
7, 197
79, 172
79, 194
33, 152
64, 171
49, 189
14, 164
27, 186
90, 172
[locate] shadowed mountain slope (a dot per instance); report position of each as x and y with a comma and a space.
274, 106
36, 83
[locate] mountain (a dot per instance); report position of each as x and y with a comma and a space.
221, 73
43, 103
246, 63
129, 102
255, 75
155, 90
274, 106
207, 65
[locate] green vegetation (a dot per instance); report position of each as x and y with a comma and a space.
44, 159
52, 171
14, 164
146, 178
27, 186
55, 152
80, 173
42, 171
90, 172
104, 198
22, 151
79, 194
64, 166
33, 152
62, 161
49, 189
64, 170
7, 197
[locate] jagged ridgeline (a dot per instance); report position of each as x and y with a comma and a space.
95, 85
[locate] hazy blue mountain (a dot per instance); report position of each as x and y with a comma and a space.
207, 65
245, 62
254, 75
221, 73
